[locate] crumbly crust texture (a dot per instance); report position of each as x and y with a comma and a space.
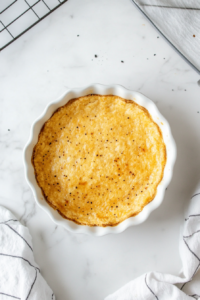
99, 160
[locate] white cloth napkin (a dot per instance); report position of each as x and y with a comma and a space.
179, 22
20, 276
154, 285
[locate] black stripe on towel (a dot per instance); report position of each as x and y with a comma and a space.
150, 288
188, 236
192, 276
3, 254
19, 236
191, 216
197, 265
9, 296
195, 195
8, 221
177, 7
191, 250
32, 285
195, 296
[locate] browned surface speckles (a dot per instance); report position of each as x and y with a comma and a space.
99, 181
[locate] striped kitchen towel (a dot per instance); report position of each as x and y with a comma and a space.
179, 22
186, 286
20, 276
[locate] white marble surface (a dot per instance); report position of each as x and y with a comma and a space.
36, 69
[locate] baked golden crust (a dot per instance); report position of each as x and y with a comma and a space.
99, 160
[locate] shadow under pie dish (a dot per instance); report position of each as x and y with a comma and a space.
99, 157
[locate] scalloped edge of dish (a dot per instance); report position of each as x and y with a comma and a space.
117, 90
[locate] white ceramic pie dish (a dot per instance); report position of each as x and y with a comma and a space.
102, 90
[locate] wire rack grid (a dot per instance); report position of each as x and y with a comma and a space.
18, 16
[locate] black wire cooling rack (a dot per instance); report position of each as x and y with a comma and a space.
18, 16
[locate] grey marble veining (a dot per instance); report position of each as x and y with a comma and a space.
59, 53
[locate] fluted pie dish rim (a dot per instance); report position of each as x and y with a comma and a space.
100, 90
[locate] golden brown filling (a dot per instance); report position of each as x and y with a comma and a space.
99, 160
